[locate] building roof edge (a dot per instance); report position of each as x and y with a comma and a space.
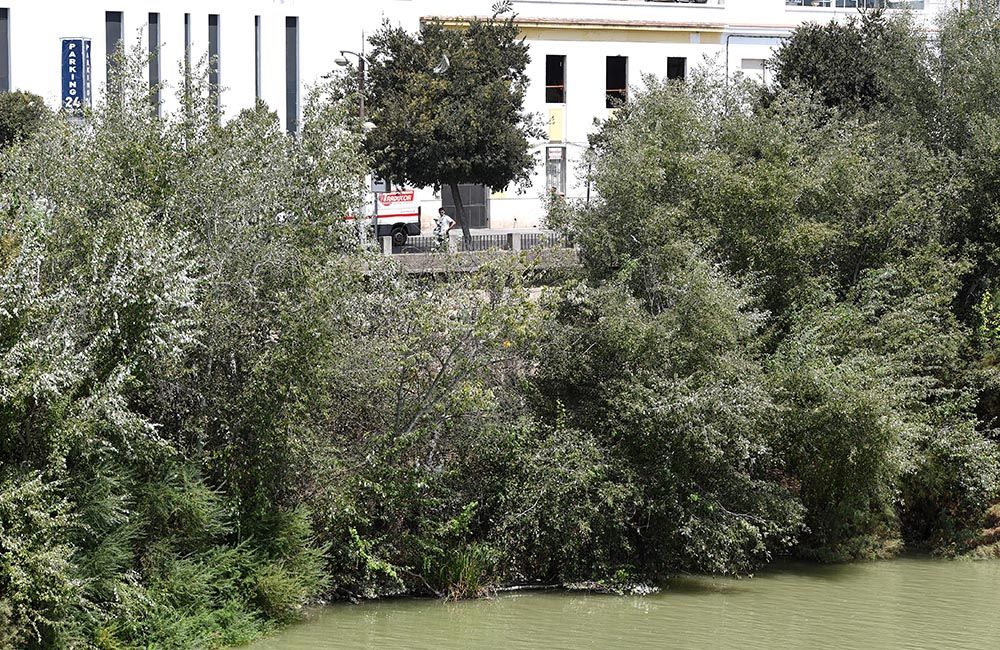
583, 23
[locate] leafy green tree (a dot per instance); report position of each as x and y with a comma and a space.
21, 114
839, 227
657, 368
462, 124
970, 87
872, 63
125, 288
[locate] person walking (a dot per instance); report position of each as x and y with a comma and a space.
442, 224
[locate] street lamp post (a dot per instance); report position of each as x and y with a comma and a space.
342, 61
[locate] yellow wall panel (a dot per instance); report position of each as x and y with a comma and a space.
619, 34
557, 124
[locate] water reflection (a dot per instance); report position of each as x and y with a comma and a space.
903, 604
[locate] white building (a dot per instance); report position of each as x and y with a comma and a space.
582, 51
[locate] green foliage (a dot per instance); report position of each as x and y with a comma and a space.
21, 115
562, 504
465, 124
840, 435
214, 408
39, 590
872, 63
988, 319
949, 488
841, 227
969, 86
124, 285
666, 384
969, 77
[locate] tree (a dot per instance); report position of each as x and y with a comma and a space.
146, 285
21, 114
970, 89
465, 124
836, 225
872, 63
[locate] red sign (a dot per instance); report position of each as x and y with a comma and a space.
389, 198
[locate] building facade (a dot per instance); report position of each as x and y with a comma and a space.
586, 55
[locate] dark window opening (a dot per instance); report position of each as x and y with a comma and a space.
292, 74
187, 56
616, 86
187, 43
256, 57
154, 61
4, 50
555, 79
214, 64
475, 200
676, 67
113, 40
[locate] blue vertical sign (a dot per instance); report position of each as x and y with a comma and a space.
76, 89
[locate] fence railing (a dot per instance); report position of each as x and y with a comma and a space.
514, 242
500, 242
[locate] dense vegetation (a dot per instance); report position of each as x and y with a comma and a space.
214, 407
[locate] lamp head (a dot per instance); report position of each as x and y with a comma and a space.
341, 61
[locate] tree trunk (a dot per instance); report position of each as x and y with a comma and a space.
460, 217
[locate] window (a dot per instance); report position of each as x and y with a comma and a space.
113, 38
754, 68
187, 56
213, 56
4, 50
154, 61
475, 200
676, 67
555, 79
555, 170
616, 86
292, 74
256, 57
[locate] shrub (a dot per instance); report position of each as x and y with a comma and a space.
21, 115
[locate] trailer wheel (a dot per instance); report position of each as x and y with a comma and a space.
399, 236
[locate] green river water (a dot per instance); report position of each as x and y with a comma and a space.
906, 603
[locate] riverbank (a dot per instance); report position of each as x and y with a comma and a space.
898, 604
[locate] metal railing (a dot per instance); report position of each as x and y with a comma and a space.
545, 240
514, 242
485, 243
419, 245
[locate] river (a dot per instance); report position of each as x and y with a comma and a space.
905, 603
